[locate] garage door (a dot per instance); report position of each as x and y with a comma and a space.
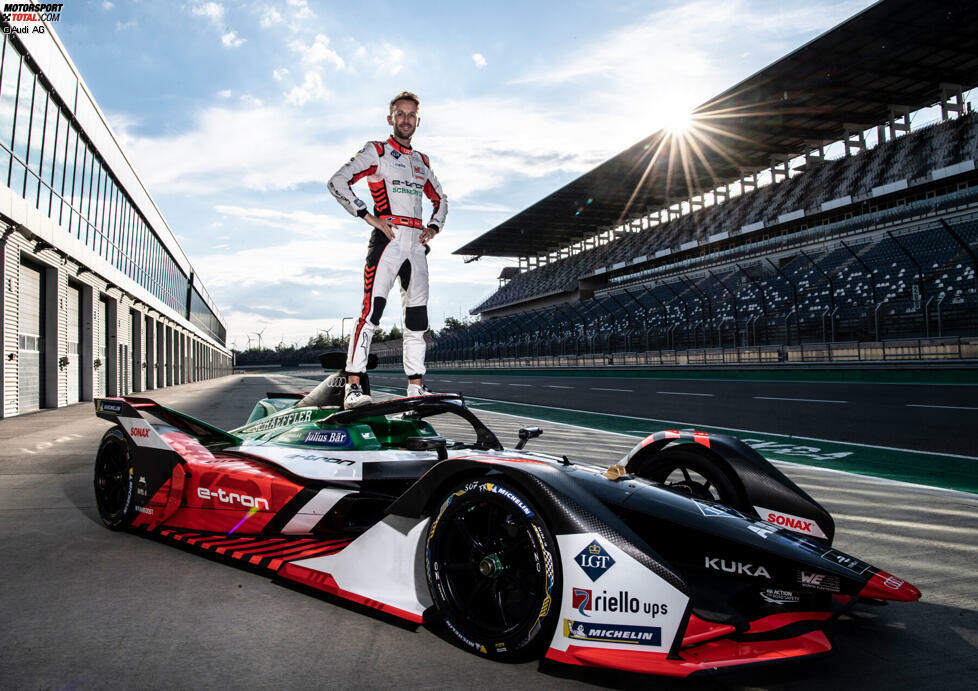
74, 344
30, 358
102, 352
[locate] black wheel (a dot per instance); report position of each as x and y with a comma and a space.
493, 570
114, 481
685, 469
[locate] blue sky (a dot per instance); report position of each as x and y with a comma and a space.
235, 114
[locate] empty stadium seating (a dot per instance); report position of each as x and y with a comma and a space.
906, 158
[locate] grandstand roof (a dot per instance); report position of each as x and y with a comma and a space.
896, 52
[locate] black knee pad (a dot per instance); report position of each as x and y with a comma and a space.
416, 318
378, 311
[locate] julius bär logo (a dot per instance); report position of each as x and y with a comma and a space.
594, 560
30, 13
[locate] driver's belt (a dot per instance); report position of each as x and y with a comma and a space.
403, 221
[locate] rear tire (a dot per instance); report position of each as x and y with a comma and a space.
114, 483
493, 571
687, 470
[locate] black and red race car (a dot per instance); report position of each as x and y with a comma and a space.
692, 553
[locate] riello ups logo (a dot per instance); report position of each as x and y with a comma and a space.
31, 15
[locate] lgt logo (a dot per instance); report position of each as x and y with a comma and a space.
594, 560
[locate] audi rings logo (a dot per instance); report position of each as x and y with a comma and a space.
336, 381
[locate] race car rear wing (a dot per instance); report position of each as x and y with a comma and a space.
134, 407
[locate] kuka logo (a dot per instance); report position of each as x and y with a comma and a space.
736, 567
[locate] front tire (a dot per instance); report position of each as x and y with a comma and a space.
114, 483
493, 570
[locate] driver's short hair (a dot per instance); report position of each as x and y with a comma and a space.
404, 96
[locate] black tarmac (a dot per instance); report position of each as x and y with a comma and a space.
82, 607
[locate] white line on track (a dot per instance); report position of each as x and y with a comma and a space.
556, 386
694, 425
946, 407
596, 388
526, 385
803, 400
464, 382
785, 464
684, 393
491, 383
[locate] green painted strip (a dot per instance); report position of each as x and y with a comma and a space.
938, 374
935, 470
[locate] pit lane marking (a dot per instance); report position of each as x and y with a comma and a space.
803, 400
595, 388
526, 385
684, 393
491, 383
556, 386
946, 407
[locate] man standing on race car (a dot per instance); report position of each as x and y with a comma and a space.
397, 176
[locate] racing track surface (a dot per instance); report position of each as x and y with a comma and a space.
926, 417
82, 607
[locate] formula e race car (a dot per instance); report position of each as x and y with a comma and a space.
691, 554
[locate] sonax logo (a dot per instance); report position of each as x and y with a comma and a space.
139, 432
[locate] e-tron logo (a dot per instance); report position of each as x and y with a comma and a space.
222, 495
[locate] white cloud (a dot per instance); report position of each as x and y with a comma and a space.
299, 222
479, 60
107, 5
259, 148
231, 39
382, 59
311, 89
212, 10
317, 53
224, 93
280, 73
270, 18
126, 26
250, 100
302, 9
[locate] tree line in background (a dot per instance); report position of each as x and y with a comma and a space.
294, 353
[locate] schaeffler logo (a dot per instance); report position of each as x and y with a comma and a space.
30, 12
226, 497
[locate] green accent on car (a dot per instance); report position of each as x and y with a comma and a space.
275, 420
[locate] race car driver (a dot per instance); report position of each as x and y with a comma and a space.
397, 176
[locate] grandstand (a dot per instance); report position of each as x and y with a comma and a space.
758, 242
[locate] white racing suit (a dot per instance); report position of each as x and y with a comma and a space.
397, 177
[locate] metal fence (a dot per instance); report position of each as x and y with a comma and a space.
595, 352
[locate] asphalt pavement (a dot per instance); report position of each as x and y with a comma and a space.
925, 417
82, 607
